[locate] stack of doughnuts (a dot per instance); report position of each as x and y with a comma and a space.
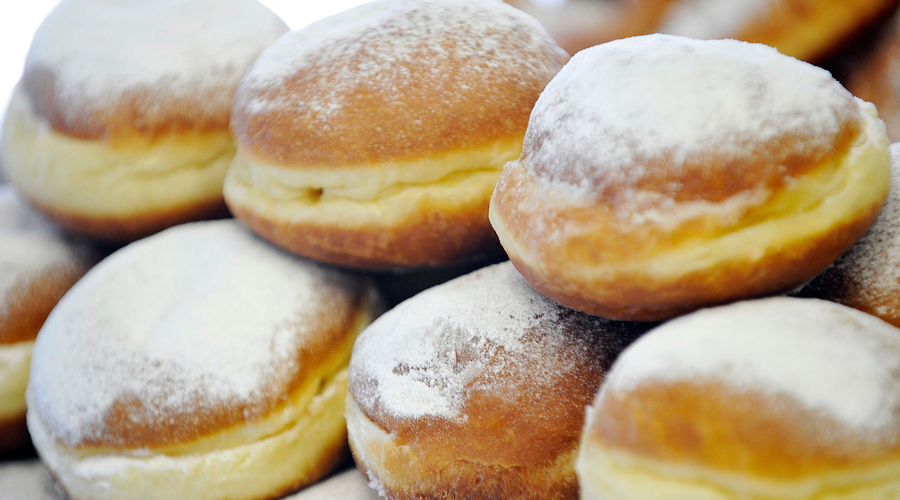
198, 363
119, 125
644, 179
38, 264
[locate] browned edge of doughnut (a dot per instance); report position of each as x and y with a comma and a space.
775, 273
29, 303
434, 239
125, 229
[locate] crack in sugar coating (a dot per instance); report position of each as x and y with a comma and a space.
97, 68
395, 79
643, 122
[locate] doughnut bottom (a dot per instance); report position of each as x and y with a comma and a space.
606, 474
116, 190
295, 456
14, 363
404, 471
424, 212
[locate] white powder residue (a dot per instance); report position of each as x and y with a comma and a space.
100, 49
349, 485
874, 262
827, 357
387, 44
616, 107
421, 358
712, 18
31, 246
197, 316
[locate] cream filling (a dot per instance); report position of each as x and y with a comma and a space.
605, 474
387, 194
95, 178
14, 362
854, 183
249, 471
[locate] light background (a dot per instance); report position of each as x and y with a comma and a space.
20, 19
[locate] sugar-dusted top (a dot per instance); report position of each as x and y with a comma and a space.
824, 356
179, 334
479, 332
712, 18
393, 78
660, 115
100, 52
30, 247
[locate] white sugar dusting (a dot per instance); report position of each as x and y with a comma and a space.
378, 43
874, 262
30, 246
712, 18
199, 315
827, 357
615, 107
100, 49
421, 358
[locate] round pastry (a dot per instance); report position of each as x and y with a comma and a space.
37, 266
662, 174
782, 398
878, 79
477, 389
806, 29
200, 363
119, 125
868, 276
374, 138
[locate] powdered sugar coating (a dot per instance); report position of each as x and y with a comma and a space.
827, 357
423, 358
711, 18
618, 107
386, 44
195, 318
30, 246
100, 50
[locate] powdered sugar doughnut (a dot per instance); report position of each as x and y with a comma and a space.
661, 174
37, 266
374, 138
119, 126
476, 389
199, 363
796, 399
868, 276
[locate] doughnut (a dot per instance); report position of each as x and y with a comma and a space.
199, 363
805, 29
374, 138
37, 266
662, 174
868, 276
877, 79
476, 389
119, 125
781, 398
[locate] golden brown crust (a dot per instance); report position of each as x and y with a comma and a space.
147, 113
131, 228
878, 80
435, 238
749, 433
29, 303
129, 425
13, 434
428, 107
